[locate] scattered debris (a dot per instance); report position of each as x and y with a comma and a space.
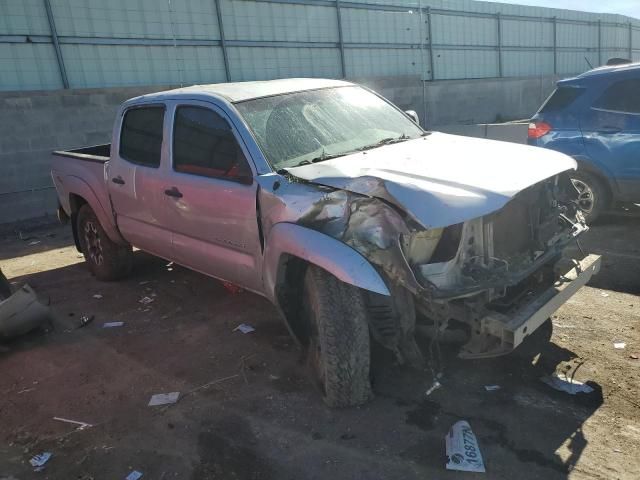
462, 449
163, 399
112, 324
619, 345
39, 461
143, 282
146, 300
21, 313
86, 320
35, 242
436, 385
97, 296
134, 475
634, 356
492, 388
81, 425
244, 328
561, 383
604, 294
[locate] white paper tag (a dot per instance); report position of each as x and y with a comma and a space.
163, 398
462, 449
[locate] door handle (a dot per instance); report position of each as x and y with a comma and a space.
173, 192
118, 180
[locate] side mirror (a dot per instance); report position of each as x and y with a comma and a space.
413, 115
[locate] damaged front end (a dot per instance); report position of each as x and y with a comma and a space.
497, 277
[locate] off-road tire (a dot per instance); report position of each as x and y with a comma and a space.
106, 260
5, 287
339, 345
596, 194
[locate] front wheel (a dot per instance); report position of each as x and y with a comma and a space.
338, 350
593, 197
106, 259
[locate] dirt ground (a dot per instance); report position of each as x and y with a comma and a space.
262, 419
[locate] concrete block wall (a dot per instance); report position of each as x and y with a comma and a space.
33, 124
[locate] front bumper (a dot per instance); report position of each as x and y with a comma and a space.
501, 334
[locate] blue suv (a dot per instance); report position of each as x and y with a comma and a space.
595, 118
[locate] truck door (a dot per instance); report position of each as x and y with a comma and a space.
135, 179
611, 132
212, 197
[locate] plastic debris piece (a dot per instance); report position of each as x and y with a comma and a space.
619, 345
561, 383
134, 475
80, 425
86, 320
436, 385
39, 461
244, 328
146, 300
604, 294
112, 324
35, 242
634, 356
463, 452
21, 313
163, 399
492, 388
97, 296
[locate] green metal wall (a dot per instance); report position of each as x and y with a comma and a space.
146, 42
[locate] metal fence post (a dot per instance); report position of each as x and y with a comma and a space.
430, 45
630, 41
341, 40
223, 43
599, 42
555, 45
56, 45
499, 25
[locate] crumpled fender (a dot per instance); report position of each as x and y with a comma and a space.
76, 185
317, 248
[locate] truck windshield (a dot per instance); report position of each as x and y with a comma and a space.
305, 127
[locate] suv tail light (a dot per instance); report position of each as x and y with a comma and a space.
538, 129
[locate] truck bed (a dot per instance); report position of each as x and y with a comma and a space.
93, 153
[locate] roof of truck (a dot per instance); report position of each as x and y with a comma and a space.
241, 91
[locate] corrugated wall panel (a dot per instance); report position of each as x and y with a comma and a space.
23, 17
194, 19
28, 67
382, 62
459, 30
376, 26
527, 33
99, 65
254, 63
519, 63
451, 64
247, 20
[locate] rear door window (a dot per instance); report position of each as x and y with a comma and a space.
561, 98
141, 135
203, 144
622, 96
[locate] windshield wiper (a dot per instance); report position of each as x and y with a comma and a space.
386, 141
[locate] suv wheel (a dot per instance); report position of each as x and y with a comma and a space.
338, 350
106, 259
592, 196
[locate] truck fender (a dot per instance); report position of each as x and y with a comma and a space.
77, 186
317, 248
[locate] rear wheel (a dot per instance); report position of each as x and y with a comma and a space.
593, 197
106, 259
339, 349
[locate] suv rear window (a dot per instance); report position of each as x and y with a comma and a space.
622, 96
141, 136
561, 98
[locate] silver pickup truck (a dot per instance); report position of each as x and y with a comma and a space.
322, 196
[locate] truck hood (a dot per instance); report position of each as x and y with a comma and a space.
440, 179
